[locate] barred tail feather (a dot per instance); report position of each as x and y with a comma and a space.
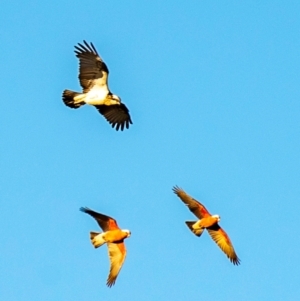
197, 231
97, 239
73, 99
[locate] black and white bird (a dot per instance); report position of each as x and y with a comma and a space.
93, 75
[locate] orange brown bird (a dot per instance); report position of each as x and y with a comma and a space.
208, 222
114, 237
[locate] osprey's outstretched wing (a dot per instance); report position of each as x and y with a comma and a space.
92, 70
117, 115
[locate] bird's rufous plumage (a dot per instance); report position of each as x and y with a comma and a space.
208, 222
114, 237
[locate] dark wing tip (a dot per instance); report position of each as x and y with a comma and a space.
110, 282
84, 209
86, 48
93, 47
122, 126
116, 115
176, 189
126, 119
235, 261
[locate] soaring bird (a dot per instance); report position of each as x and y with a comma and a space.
93, 76
114, 237
208, 222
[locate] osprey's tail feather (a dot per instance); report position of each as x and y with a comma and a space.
97, 239
73, 99
197, 231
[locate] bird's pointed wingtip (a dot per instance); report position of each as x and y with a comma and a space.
236, 261
83, 209
176, 189
110, 282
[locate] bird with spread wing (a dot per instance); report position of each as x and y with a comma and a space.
208, 222
93, 77
114, 237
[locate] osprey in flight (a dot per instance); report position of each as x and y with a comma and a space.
114, 237
93, 74
208, 222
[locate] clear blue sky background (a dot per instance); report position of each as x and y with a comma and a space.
213, 91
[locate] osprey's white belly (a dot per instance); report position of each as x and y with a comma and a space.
96, 96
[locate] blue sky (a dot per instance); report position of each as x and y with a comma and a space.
213, 91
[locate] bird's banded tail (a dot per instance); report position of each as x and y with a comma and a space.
73, 99
197, 231
97, 239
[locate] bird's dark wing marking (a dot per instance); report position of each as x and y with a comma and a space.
104, 221
117, 115
196, 207
92, 69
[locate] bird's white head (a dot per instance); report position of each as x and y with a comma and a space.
128, 232
218, 217
116, 97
